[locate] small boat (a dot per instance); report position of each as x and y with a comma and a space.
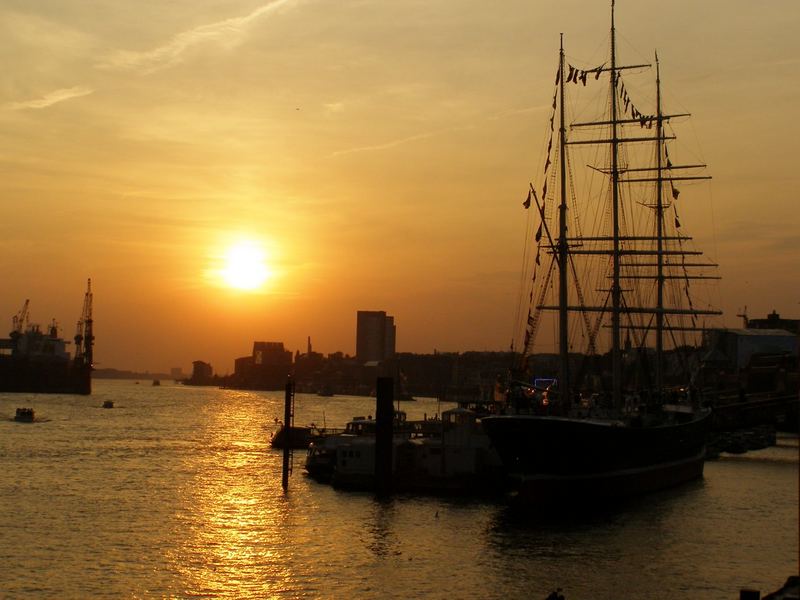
24, 415
321, 457
451, 455
108, 404
156, 382
296, 437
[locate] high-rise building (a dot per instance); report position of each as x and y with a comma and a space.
375, 336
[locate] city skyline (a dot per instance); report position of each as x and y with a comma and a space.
360, 156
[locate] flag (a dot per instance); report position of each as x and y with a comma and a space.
527, 203
539, 233
675, 193
598, 70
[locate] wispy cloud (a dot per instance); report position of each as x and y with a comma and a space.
425, 135
226, 32
53, 97
391, 144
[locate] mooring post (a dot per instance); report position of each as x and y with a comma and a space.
287, 427
384, 426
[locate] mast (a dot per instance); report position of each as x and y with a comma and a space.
660, 238
616, 358
563, 299
88, 326
637, 254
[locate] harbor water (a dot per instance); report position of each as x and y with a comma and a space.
175, 493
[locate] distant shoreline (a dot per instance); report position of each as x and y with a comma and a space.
120, 374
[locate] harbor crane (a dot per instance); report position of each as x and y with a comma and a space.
84, 335
20, 320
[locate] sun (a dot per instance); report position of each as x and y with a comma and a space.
245, 267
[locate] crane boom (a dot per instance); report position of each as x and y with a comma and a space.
20, 320
84, 337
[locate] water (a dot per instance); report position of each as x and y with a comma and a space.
175, 493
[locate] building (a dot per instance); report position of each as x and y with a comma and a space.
202, 370
751, 360
202, 374
265, 369
737, 348
271, 354
375, 336
774, 321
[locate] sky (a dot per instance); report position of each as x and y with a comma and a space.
376, 153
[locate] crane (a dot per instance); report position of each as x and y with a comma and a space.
84, 336
20, 320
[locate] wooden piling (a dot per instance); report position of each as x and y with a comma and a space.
288, 421
384, 426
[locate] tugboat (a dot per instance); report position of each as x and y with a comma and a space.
36, 361
610, 248
24, 415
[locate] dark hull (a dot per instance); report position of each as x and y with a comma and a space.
605, 487
322, 467
551, 457
486, 485
22, 375
297, 437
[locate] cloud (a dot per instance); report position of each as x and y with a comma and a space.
421, 136
391, 144
226, 32
53, 97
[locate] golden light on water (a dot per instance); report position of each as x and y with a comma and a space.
238, 543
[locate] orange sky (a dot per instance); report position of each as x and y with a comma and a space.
379, 152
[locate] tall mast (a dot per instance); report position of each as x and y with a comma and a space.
659, 236
563, 325
88, 324
616, 358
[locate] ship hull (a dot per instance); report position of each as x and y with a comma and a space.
553, 459
608, 486
23, 375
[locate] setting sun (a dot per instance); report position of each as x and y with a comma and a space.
245, 266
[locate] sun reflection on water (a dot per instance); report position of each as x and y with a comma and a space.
236, 516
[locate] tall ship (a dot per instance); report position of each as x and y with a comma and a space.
612, 273
36, 360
